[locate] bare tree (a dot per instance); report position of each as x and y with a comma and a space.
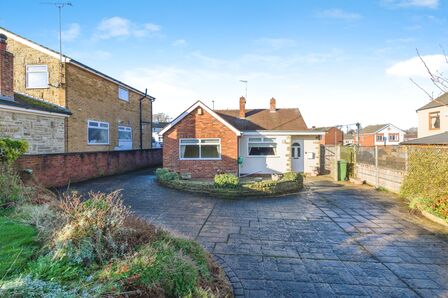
161, 117
438, 79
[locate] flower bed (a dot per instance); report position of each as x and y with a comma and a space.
225, 185
94, 246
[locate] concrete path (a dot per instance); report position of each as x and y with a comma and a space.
330, 240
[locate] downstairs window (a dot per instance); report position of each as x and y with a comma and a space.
200, 149
262, 147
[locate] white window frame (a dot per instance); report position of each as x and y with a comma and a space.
125, 128
262, 141
200, 158
99, 123
47, 85
120, 89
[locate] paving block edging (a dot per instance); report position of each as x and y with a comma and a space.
237, 286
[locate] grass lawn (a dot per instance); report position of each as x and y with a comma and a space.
17, 245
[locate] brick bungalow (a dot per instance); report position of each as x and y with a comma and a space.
381, 135
203, 142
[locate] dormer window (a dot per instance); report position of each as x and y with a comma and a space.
36, 76
123, 93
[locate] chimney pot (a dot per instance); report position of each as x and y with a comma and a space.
3, 39
272, 105
242, 107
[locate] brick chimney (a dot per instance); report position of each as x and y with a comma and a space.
6, 70
242, 107
272, 105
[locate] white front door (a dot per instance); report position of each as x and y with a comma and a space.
297, 160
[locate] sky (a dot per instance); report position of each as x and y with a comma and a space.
339, 62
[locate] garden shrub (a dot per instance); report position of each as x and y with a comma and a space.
226, 181
12, 189
11, 149
92, 225
163, 174
291, 176
426, 181
43, 217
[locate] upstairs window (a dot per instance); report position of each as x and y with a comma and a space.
36, 76
98, 133
200, 149
434, 120
123, 93
262, 147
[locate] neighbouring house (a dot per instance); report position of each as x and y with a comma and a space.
105, 111
157, 139
332, 136
380, 135
204, 142
349, 139
25, 117
432, 123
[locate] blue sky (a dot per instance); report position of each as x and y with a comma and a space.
338, 61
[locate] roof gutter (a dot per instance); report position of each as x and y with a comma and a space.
32, 111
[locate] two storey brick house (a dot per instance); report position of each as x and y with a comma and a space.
105, 112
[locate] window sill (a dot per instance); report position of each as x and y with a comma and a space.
200, 159
98, 144
28, 88
123, 100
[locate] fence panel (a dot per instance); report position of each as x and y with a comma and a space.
366, 155
392, 157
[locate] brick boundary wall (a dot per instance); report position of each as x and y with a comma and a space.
60, 169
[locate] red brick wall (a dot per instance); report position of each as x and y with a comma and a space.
366, 140
53, 170
200, 126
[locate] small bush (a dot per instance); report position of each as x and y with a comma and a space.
226, 181
12, 190
92, 226
291, 176
11, 149
163, 174
43, 217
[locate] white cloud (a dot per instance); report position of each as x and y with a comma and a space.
412, 3
276, 43
339, 14
179, 43
121, 27
414, 67
72, 33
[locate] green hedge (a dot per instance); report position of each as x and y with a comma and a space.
11, 149
426, 181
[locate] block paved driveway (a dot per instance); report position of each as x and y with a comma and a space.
329, 240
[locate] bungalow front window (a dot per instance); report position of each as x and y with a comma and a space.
379, 137
262, 147
200, 148
394, 137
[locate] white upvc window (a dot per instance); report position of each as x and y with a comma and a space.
97, 133
200, 149
36, 76
261, 146
123, 93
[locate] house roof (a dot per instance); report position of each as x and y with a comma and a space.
27, 102
264, 119
373, 128
438, 102
66, 59
207, 109
438, 139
